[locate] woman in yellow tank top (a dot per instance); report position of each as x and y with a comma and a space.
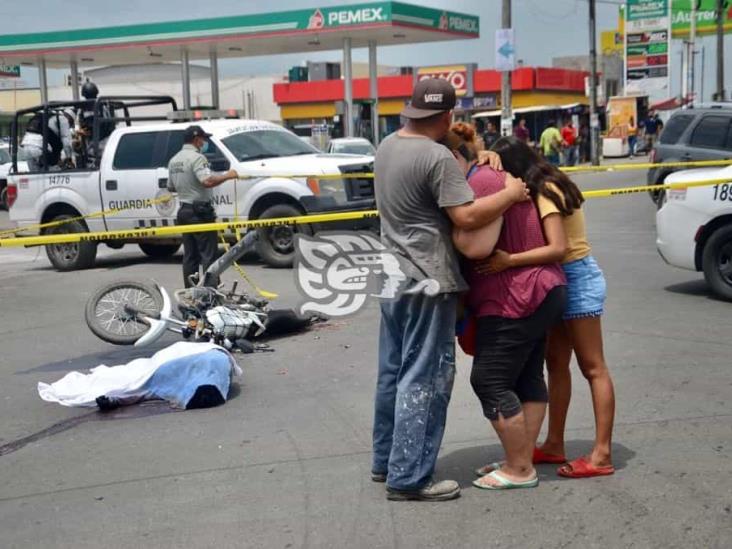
580, 332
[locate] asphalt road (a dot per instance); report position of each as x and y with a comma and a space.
285, 463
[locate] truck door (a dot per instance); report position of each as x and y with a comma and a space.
130, 181
224, 196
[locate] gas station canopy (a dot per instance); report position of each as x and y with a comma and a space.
300, 31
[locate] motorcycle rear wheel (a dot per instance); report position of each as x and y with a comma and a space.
112, 313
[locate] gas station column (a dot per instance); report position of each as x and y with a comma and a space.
214, 62
186, 78
75, 80
42, 82
347, 89
374, 91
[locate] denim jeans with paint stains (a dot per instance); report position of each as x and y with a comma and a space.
415, 379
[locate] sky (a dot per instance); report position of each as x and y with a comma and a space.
560, 24
543, 29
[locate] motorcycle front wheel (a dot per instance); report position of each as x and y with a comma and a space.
116, 311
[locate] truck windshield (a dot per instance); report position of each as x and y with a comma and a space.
259, 144
4, 156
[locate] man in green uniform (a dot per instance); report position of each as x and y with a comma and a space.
190, 176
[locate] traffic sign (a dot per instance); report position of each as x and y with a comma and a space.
505, 50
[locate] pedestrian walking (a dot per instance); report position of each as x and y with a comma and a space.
632, 136
521, 131
550, 143
421, 194
569, 143
190, 176
559, 201
491, 135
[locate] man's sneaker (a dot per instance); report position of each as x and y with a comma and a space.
378, 477
434, 491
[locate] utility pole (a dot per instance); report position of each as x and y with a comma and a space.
506, 112
691, 53
720, 94
594, 118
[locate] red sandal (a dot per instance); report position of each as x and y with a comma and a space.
582, 468
541, 456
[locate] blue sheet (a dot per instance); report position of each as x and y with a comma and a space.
177, 380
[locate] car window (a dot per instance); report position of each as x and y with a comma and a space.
4, 156
135, 151
675, 127
258, 144
175, 144
711, 132
355, 148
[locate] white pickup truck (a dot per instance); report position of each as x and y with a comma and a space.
133, 171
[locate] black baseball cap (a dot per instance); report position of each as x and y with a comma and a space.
430, 96
194, 131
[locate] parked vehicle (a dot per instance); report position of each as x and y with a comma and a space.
132, 171
703, 133
694, 227
6, 163
351, 145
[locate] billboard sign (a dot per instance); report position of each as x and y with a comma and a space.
460, 76
647, 48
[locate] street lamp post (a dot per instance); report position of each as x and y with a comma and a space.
506, 112
594, 119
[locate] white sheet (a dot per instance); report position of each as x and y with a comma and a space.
124, 381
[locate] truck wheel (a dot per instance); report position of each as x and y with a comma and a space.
109, 314
4, 198
276, 245
717, 262
159, 250
72, 256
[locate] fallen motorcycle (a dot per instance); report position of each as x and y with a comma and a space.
137, 313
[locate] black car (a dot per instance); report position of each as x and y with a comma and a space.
703, 133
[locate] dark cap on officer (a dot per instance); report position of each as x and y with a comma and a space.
431, 96
192, 132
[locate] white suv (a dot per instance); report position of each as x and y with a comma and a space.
694, 227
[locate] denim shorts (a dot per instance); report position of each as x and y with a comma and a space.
586, 289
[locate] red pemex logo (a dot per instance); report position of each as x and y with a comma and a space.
317, 21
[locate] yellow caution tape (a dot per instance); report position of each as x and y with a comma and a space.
361, 175
603, 193
245, 276
175, 230
50, 224
364, 175
646, 165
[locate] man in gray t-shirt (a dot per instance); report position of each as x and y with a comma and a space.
416, 179
421, 195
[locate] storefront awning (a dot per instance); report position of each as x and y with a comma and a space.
527, 110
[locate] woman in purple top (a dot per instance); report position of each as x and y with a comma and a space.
514, 310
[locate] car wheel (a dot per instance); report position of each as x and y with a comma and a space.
717, 262
4, 198
70, 256
276, 245
159, 250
